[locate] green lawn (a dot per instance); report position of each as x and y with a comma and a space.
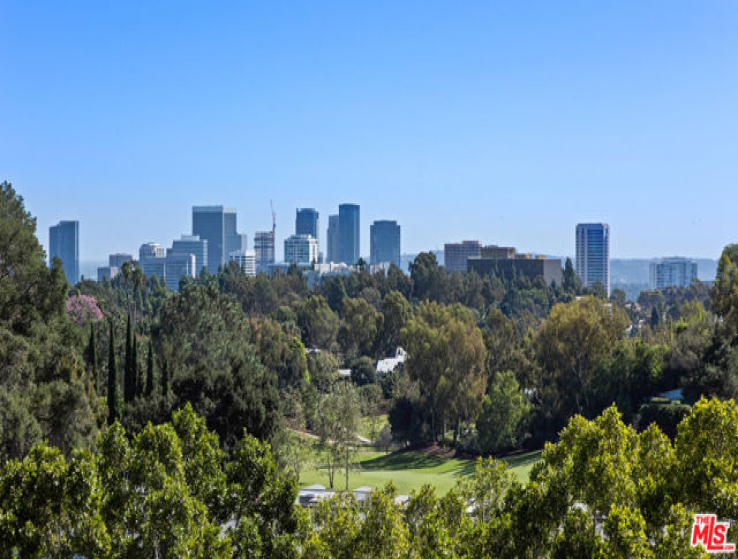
410, 470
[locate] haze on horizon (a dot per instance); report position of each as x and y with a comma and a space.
508, 123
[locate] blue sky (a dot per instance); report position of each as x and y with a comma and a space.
507, 122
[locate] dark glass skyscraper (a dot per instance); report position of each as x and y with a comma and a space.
332, 239
216, 225
384, 242
307, 222
348, 233
64, 243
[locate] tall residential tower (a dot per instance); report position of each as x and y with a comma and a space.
593, 254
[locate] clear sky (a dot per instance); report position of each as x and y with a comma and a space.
505, 122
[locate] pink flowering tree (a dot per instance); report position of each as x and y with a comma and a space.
82, 308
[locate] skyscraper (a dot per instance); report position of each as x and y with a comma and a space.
593, 254
455, 255
332, 239
64, 244
307, 222
348, 233
384, 245
264, 249
191, 244
215, 224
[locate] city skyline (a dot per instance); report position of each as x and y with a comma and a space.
522, 120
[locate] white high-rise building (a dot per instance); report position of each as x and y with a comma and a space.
675, 271
246, 260
593, 254
301, 250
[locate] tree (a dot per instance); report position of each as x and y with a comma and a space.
92, 358
504, 409
262, 496
617, 297
396, 312
30, 293
426, 277
363, 371
570, 281
114, 412
571, 346
358, 328
323, 369
205, 333
166, 382
504, 346
338, 419
655, 318
446, 359
50, 507
150, 371
317, 322
129, 368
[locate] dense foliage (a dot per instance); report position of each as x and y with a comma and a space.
109, 392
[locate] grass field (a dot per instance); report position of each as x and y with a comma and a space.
410, 470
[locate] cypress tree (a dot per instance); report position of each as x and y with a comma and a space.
129, 376
165, 383
150, 370
113, 388
137, 381
92, 354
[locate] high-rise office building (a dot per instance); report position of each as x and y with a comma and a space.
349, 228
593, 254
264, 249
672, 272
151, 258
115, 264
64, 244
455, 255
119, 258
191, 244
332, 239
307, 222
301, 250
215, 224
384, 242
176, 266
246, 260
236, 243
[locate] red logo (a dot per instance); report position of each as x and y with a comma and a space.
711, 534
